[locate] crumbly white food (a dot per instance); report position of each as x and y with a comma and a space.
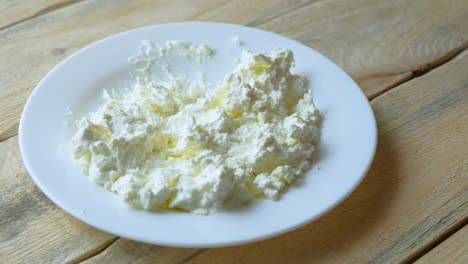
150, 53
172, 144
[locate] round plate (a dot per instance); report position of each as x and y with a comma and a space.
346, 148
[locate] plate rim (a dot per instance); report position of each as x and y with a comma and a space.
91, 222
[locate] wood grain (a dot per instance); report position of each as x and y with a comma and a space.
13, 12
416, 190
381, 43
453, 250
33, 229
126, 251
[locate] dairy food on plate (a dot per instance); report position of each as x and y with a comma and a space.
177, 144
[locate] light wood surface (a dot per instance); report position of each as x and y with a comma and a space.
32, 228
453, 250
380, 43
16, 11
414, 197
126, 251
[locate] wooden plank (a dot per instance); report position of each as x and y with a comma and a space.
33, 229
453, 250
381, 43
30, 49
126, 251
416, 190
16, 11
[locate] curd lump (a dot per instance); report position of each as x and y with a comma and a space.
173, 144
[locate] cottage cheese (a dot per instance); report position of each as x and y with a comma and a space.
171, 144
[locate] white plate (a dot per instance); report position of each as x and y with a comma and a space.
346, 150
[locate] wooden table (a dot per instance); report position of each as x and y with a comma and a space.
407, 55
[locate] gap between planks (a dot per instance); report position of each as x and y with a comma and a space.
8, 137
42, 12
94, 252
425, 68
191, 256
257, 23
58, 6
444, 236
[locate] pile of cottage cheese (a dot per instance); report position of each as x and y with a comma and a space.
176, 144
